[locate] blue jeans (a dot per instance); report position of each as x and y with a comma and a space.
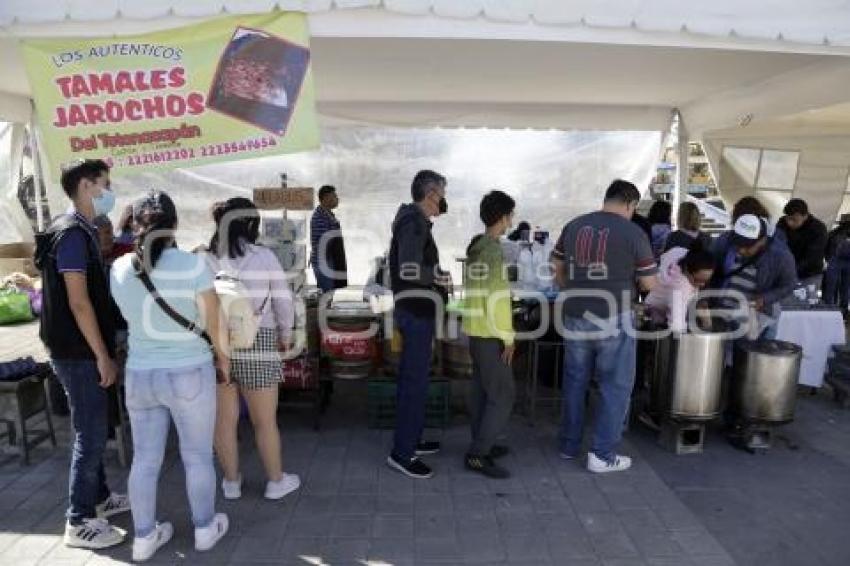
90, 417
323, 282
414, 369
836, 283
154, 398
612, 361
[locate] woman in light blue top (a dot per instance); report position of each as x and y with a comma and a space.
170, 373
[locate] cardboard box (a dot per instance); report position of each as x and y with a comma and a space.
17, 257
290, 198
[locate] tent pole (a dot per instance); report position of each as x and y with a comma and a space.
37, 178
682, 169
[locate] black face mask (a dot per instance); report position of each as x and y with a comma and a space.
443, 206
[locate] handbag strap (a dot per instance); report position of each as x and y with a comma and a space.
261, 312
234, 274
166, 308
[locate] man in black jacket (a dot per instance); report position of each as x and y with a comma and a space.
415, 278
77, 329
806, 238
836, 279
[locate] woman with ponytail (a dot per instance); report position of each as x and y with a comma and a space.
256, 370
681, 275
170, 374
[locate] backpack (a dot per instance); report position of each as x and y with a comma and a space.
236, 306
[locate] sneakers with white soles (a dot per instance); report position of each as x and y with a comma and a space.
145, 547
232, 489
599, 466
207, 537
282, 487
93, 534
115, 504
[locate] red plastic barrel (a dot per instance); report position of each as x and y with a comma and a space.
350, 349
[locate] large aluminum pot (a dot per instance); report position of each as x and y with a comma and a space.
660, 375
687, 374
695, 391
764, 387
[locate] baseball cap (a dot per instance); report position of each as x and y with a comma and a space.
748, 230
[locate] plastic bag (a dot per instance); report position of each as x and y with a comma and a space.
14, 307
35, 296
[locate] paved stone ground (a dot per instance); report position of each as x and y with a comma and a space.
354, 510
789, 506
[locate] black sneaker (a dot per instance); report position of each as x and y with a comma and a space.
499, 451
426, 448
414, 468
486, 466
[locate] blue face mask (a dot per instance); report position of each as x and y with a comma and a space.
103, 204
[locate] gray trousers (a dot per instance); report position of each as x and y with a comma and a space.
492, 394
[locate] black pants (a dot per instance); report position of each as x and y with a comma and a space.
414, 370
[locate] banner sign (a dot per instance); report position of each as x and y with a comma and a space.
230, 88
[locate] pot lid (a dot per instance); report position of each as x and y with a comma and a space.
771, 347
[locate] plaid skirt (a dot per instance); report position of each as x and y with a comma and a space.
260, 366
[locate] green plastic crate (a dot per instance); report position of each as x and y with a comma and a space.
382, 403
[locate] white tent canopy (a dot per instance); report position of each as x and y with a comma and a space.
380, 66
730, 67
614, 64
815, 22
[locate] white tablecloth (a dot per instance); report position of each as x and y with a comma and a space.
816, 332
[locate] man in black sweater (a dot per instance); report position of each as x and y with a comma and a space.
416, 280
806, 238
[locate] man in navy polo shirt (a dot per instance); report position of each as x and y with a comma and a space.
77, 329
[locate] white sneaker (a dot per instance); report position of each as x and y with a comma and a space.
115, 504
599, 466
282, 487
232, 489
93, 534
145, 547
207, 537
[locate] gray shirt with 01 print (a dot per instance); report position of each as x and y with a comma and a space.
603, 254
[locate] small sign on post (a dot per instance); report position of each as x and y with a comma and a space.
276, 198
